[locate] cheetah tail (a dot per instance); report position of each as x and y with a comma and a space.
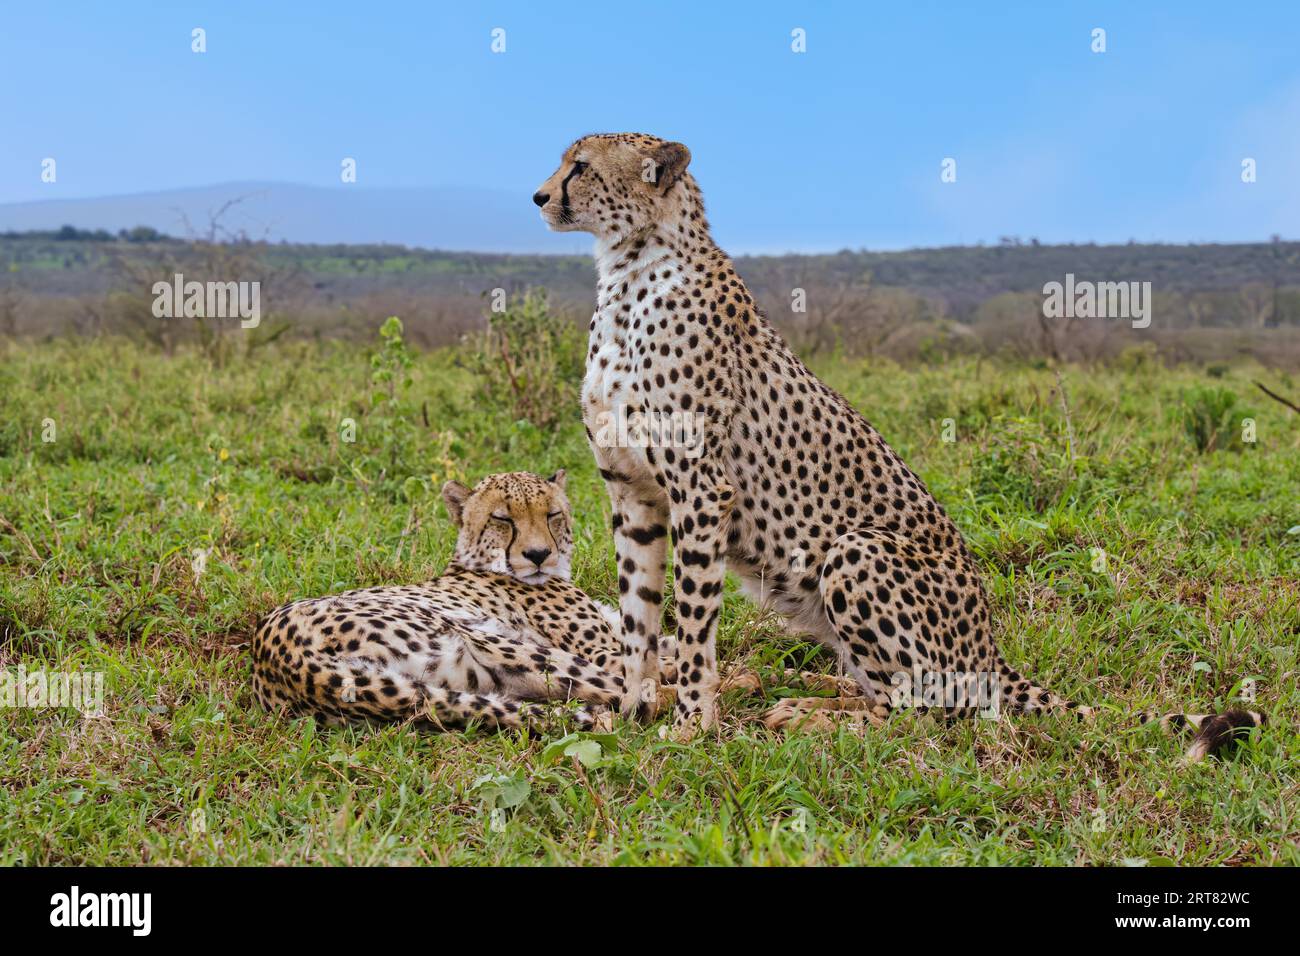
1022, 696
1216, 733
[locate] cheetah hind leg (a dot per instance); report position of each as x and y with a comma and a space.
945, 627
849, 706
536, 674
825, 683
892, 606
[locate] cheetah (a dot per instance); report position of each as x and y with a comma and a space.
499, 633
829, 526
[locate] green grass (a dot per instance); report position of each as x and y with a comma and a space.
155, 457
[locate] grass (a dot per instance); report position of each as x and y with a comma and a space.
1139, 571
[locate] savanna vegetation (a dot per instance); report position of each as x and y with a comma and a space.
1138, 524
1209, 300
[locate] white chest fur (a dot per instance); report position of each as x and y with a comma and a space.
625, 325
607, 383
624, 332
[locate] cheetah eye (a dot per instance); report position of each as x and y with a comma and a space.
506, 518
579, 168
553, 515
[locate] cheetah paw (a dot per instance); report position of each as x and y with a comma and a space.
685, 731
667, 695
826, 683
688, 725
797, 720
741, 679
782, 714
600, 720
823, 713
641, 700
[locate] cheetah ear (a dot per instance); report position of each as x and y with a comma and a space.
557, 479
454, 494
671, 160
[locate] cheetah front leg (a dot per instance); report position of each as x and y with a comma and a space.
701, 502
640, 524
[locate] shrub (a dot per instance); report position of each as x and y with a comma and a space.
1022, 463
391, 450
1210, 418
391, 412
1138, 358
530, 360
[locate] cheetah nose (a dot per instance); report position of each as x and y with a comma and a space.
541, 198
538, 555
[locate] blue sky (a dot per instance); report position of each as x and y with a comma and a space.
837, 147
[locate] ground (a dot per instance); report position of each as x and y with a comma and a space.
1139, 572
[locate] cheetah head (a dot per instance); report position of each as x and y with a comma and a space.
514, 523
615, 184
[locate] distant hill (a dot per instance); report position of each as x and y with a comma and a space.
964, 276
1210, 301
959, 277
432, 218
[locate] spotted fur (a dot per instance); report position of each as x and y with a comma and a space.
824, 521
499, 632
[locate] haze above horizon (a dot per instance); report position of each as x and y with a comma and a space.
841, 146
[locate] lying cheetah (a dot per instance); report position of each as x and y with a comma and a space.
499, 631
829, 525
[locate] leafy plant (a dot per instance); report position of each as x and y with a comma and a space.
393, 438
530, 360
390, 423
1210, 417
499, 791
587, 748
391, 364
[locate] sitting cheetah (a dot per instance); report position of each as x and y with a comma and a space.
500, 630
829, 525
